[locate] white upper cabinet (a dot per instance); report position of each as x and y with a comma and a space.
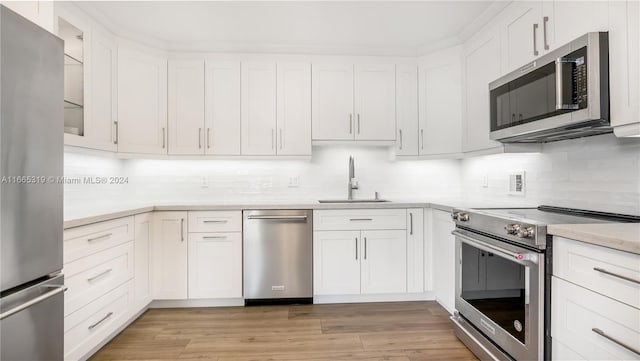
521, 24
332, 102
564, 21
258, 108
481, 65
407, 109
624, 67
375, 102
39, 12
222, 108
142, 102
294, 109
186, 106
101, 125
440, 104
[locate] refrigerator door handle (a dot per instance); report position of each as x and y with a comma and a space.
57, 289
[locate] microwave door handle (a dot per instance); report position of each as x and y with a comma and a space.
560, 105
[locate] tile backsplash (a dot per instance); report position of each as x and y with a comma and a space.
600, 173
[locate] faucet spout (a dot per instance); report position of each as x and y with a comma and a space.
353, 184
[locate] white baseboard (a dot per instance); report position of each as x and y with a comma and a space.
450, 310
392, 297
225, 302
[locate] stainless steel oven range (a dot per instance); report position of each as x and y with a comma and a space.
503, 274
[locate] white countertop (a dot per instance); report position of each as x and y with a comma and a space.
620, 236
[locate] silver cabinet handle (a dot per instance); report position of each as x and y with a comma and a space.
91, 327
181, 229
116, 138
208, 138
91, 279
164, 142
422, 138
350, 123
400, 131
602, 270
272, 141
410, 223
278, 217
619, 343
358, 123
535, 39
360, 219
222, 221
99, 237
545, 21
58, 289
356, 248
199, 138
214, 237
365, 248
280, 138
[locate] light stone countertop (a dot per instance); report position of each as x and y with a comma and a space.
620, 236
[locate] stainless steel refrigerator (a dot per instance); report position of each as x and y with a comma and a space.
31, 147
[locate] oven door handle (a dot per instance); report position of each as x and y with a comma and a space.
517, 257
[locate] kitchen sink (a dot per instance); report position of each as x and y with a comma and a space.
352, 200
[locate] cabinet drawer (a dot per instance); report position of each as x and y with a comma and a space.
215, 221
83, 241
595, 268
578, 312
85, 329
355, 219
90, 277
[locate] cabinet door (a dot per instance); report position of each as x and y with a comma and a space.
444, 259
522, 29
39, 12
624, 67
384, 262
294, 109
415, 251
222, 108
142, 244
186, 106
407, 109
440, 103
142, 103
258, 108
336, 262
375, 102
567, 20
332, 102
215, 265
169, 256
481, 66
101, 124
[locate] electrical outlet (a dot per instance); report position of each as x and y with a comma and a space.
516, 184
294, 182
485, 181
204, 182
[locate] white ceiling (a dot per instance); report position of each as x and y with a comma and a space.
319, 27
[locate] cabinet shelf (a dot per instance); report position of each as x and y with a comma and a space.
71, 105
70, 60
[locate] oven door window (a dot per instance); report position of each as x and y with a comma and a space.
496, 287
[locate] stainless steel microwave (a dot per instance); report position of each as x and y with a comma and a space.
561, 95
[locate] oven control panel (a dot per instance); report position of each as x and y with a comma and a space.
520, 230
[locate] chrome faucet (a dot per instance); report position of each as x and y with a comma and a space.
353, 183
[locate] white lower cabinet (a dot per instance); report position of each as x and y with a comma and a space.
143, 224
416, 271
336, 262
215, 265
384, 262
169, 256
88, 327
444, 258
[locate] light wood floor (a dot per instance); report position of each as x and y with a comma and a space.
407, 331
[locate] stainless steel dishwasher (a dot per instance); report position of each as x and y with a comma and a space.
278, 256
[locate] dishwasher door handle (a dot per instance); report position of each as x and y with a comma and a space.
297, 218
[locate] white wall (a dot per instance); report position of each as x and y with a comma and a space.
180, 181
599, 173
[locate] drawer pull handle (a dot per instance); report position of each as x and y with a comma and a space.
360, 219
99, 238
99, 275
91, 327
214, 237
225, 221
602, 270
619, 343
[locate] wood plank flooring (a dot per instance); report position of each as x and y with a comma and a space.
402, 331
